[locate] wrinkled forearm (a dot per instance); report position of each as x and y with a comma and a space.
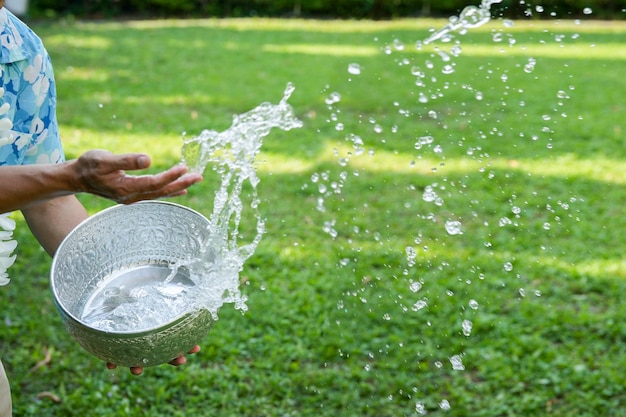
22, 187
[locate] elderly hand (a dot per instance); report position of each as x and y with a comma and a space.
102, 173
181, 360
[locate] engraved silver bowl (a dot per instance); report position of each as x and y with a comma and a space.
127, 246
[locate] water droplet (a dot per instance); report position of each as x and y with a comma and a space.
416, 71
473, 16
508, 266
467, 327
456, 50
419, 305
420, 408
447, 69
444, 405
354, 69
453, 227
411, 254
473, 304
415, 286
445, 57
504, 221
424, 140
429, 194
333, 98
530, 65
457, 363
587, 10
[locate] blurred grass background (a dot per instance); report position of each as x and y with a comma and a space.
343, 319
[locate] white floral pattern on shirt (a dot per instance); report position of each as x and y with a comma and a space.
7, 246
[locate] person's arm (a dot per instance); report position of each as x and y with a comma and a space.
96, 172
52, 220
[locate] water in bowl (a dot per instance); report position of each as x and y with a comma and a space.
139, 298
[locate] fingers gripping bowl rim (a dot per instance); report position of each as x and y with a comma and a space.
116, 243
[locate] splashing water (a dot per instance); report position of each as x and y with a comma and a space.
469, 18
445, 92
233, 152
213, 278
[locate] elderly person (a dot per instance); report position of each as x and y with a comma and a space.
34, 175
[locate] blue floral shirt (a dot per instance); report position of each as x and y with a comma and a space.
29, 132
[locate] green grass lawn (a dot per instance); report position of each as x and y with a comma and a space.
360, 302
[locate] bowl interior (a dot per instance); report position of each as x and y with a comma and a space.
117, 255
140, 298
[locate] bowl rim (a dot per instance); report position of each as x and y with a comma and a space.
55, 260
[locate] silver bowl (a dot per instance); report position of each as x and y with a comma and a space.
117, 251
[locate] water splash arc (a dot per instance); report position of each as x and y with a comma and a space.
233, 154
469, 18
